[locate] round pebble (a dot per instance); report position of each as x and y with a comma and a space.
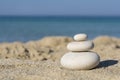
80, 37
80, 46
80, 60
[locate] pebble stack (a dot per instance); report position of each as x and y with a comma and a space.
79, 57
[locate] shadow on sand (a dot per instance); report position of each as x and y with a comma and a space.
107, 63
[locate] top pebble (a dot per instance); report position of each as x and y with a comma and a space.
80, 37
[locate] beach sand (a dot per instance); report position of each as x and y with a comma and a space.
39, 60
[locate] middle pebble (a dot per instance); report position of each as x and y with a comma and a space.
80, 46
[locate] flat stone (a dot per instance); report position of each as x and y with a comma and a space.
80, 37
80, 60
80, 46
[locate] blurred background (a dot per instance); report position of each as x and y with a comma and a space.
24, 20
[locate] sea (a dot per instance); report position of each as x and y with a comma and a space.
27, 28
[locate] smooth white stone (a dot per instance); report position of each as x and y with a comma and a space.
80, 46
80, 37
80, 60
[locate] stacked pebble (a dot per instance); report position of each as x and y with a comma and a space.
79, 57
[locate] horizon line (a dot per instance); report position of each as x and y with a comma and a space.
62, 16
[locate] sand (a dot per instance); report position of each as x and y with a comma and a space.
39, 60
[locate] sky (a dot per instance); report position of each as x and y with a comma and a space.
60, 7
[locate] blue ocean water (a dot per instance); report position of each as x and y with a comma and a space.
25, 28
